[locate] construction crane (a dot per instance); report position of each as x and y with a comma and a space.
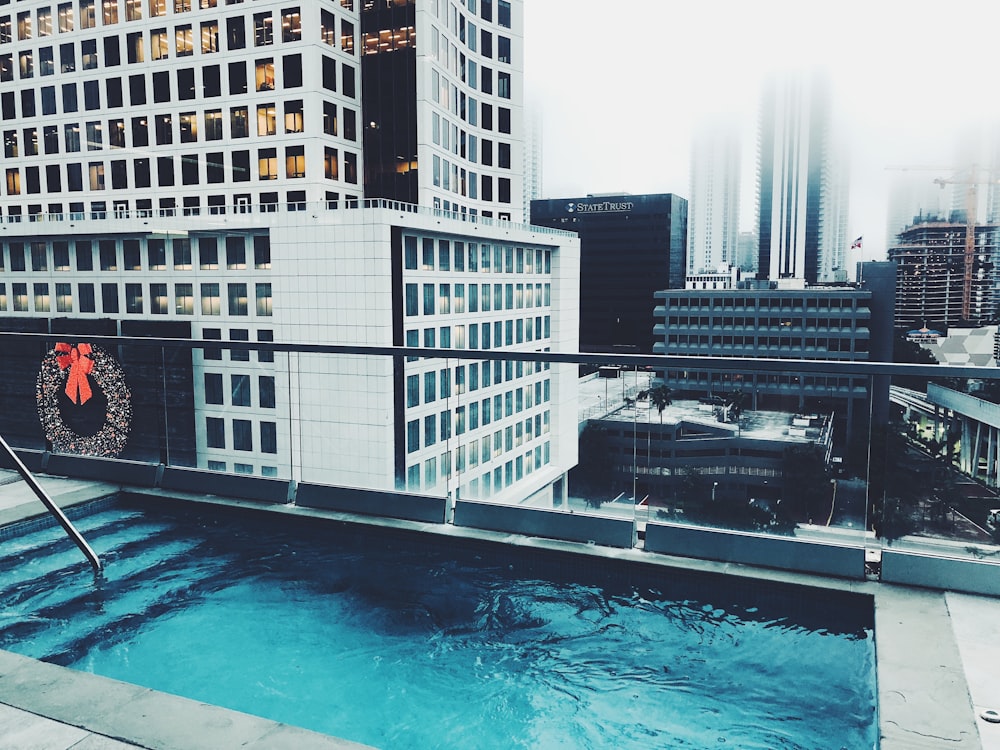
971, 177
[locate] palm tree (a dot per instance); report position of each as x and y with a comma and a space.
735, 401
660, 397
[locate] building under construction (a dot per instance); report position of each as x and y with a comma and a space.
942, 281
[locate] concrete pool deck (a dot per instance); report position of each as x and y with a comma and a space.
938, 658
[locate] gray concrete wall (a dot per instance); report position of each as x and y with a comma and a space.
228, 485
606, 531
783, 553
371, 502
946, 573
135, 473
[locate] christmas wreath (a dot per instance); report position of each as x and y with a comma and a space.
84, 404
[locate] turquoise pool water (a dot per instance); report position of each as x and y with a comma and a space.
399, 643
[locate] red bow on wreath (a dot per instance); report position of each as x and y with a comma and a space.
79, 366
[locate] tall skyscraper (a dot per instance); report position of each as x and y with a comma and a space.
532, 160
252, 172
802, 201
714, 205
450, 103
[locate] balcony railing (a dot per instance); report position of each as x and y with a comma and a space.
859, 470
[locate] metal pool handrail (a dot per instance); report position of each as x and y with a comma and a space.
52, 507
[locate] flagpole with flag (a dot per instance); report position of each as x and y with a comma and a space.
861, 263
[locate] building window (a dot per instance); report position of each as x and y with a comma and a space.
237, 299
184, 299
351, 167
184, 40
240, 390
213, 388
264, 302
295, 162
268, 437
239, 122
267, 123
160, 304
87, 300
291, 25
64, 298
133, 298
264, 75
267, 163
209, 37
236, 253
242, 435
210, 302
265, 389
213, 125
329, 118
263, 28
236, 36
215, 432
330, 164
189, 127
294, 118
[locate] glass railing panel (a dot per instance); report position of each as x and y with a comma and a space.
940, 457
810, 451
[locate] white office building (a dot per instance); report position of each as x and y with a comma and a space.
234, 171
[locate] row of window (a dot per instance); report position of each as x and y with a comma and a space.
195, 169
789, 304
240, 435
241, 203
782, 325
846, 344
183, 127
40, 25
240, 391
437, 468
451, 298
159, 299
128, 254
164, 86
761, 380
442, 384
445, 255
241, 468
473, 336
440, 427
236, 334
166, 128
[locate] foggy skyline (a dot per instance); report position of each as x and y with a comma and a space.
622, 87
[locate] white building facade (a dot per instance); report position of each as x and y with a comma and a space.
206, 166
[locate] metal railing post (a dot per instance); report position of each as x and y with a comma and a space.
54, 509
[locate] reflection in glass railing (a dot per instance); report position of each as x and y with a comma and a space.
798, 451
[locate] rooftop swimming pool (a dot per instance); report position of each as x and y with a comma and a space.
400, 640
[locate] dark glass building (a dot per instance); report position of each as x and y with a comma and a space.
631, 246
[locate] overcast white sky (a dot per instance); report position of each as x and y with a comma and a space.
621, 84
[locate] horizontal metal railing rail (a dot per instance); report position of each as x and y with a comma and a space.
858, 368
